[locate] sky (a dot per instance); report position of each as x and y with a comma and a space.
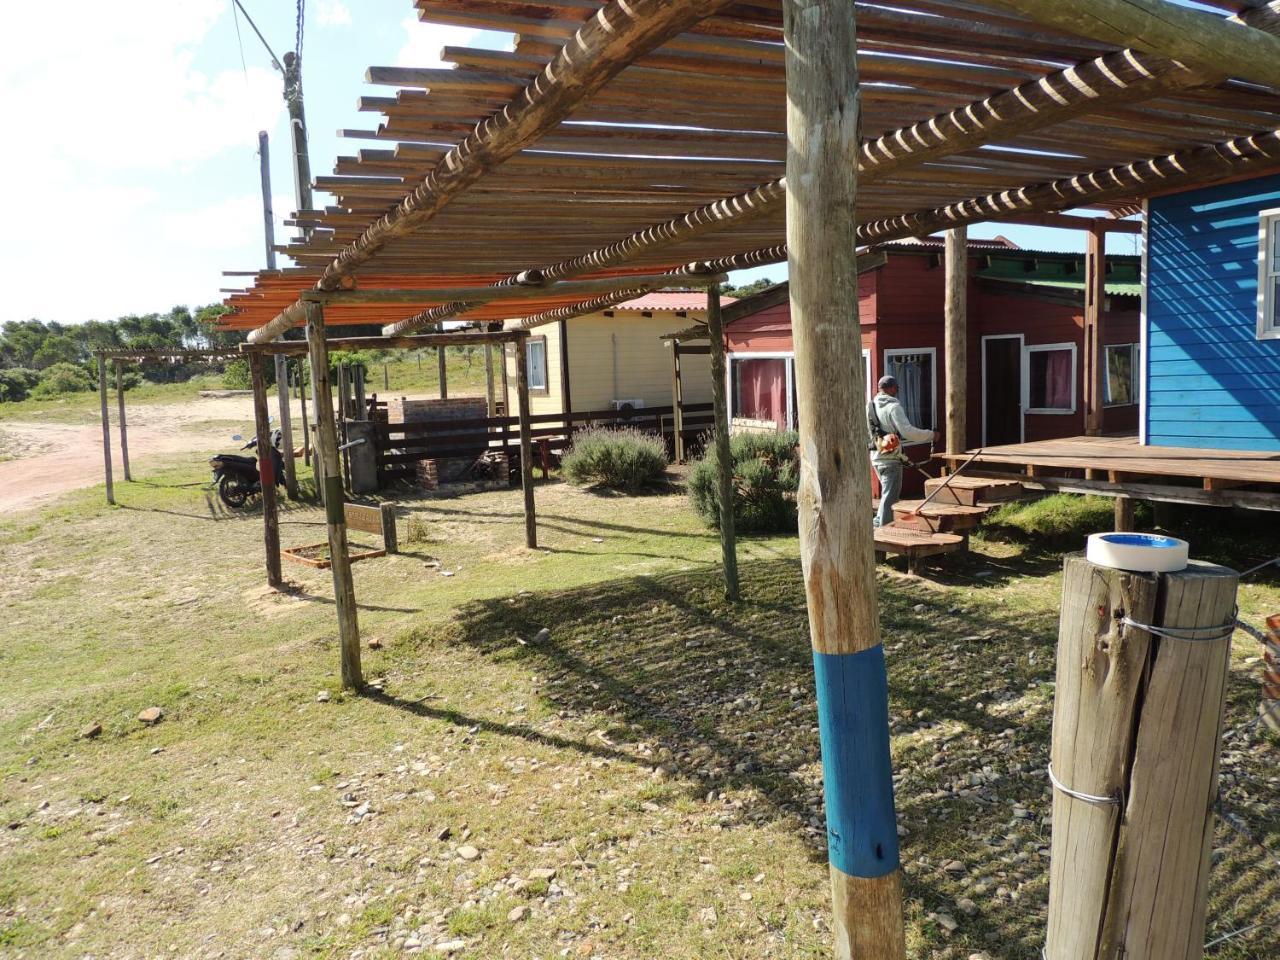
137, 182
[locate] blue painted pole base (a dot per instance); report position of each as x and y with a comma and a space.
857, 771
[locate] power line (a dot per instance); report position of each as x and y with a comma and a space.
274, 59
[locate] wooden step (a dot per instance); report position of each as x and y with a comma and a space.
915, 544
938, 517
973, 491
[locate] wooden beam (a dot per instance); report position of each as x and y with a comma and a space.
601, 48
422, 342
1095, 301
106, 426
286, 425
724, 455
526, 444
1067, 221
836, 548
344, 593
124, 428
957, 338
266, 473
1200, 40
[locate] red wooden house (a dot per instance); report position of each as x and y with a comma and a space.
1026, 341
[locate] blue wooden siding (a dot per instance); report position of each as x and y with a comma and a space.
1210, 381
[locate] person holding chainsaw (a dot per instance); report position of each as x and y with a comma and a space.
890, 429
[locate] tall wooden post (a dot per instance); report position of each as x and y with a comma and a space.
286, 425
124, 428
344, 393
302, 404
359, 406
957, 338
266, 471
526, 444
1124, 519
677, 401
836, 547
344, 593
1095, 299
443, 373
106, 426
1137, 726
724, 455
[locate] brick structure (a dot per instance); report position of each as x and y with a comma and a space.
433, 471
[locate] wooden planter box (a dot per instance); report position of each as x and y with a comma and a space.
316, 555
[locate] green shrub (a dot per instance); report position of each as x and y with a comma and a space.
766, 475
16, 383
618, 459
1060, 519
236, 375
62, 378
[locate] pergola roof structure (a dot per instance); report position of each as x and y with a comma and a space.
660, 150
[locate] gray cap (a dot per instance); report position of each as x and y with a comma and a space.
887, 381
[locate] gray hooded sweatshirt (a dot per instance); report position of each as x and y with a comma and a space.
893, 419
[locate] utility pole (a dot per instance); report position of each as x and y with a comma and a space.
292, 70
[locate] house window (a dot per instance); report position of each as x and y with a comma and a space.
1268, 274
760, 389
1120, 387
916, 373
1051, 378
536, 358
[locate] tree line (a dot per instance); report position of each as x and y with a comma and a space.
47, 359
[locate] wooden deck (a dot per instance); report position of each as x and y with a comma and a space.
1120, 466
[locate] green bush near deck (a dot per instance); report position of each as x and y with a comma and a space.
1061, 519
766, 475
627, 460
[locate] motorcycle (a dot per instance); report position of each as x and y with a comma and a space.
237, 477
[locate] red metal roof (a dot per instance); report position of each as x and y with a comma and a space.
672, 300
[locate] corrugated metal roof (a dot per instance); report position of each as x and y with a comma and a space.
671, 300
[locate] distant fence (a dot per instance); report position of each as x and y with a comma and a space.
401, 445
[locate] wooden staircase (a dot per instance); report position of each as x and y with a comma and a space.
941, 526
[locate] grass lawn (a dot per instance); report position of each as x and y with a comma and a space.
643, 783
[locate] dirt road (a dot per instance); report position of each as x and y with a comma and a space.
52, 458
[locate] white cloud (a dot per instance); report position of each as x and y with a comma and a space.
424, 42
333, 13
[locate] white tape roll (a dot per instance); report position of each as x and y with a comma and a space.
1140, 552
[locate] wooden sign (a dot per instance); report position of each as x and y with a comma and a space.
379, 520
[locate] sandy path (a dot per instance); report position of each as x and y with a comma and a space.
54, 458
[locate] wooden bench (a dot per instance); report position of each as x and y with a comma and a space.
973, 491
915, 544
938, 517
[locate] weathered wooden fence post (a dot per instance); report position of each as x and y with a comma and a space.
836, 548
266, 471
106, 426
526, 442
488, 376
443, 373
957, 338
677, 402
286, 425
124, 427
724, 456
302, 404
344, 593
1137, 725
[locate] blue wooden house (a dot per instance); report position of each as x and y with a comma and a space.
1211, 336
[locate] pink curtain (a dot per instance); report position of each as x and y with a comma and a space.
1057, 379
762, 390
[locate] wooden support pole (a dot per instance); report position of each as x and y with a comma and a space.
302, 404
266, 472
724, 455
286, 426
1095, 300
344, 389
488, 377
442, 373
957, 339
124, 428
526, 445
344, 592
106, 427
359, 407
1124, 519
1137, 726
677, 401
836, 548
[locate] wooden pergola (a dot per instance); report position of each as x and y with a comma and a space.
623, 139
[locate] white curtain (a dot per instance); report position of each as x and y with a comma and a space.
912, 373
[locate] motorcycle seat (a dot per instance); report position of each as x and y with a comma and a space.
235, 458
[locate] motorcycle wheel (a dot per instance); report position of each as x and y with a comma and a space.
233, 491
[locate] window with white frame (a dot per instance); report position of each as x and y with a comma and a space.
1268, 274
762, 388
536, 358
1120, 388
1050, 378
916, 373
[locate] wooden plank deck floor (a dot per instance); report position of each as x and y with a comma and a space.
1120, 458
